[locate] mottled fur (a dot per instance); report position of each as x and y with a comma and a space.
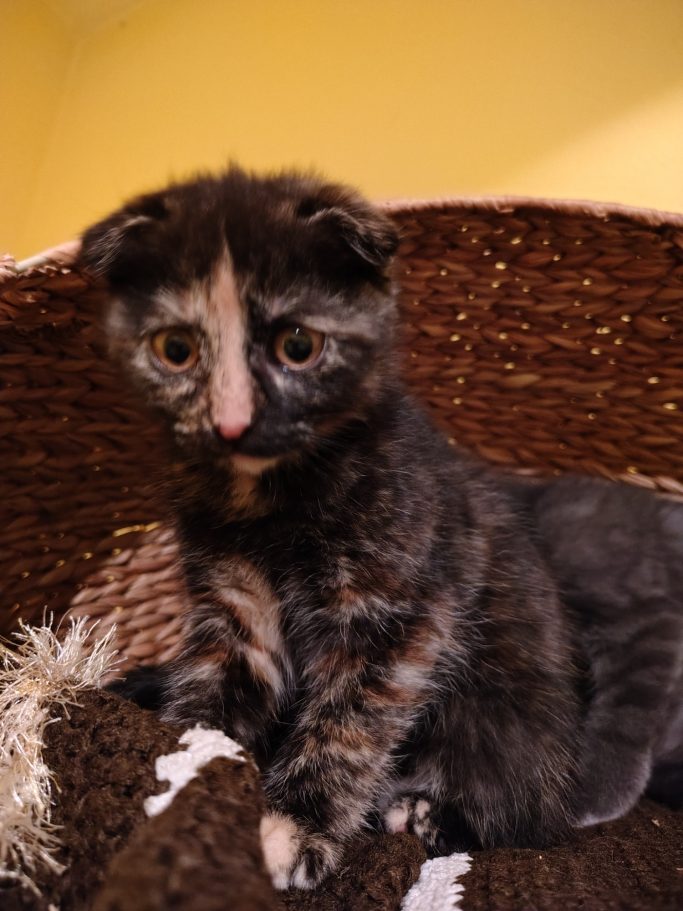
396, 633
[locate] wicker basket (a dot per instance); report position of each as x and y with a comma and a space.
547, 336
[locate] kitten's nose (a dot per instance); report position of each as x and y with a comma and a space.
232, 403
232, 428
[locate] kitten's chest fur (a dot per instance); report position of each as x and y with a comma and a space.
347, 560
285, 578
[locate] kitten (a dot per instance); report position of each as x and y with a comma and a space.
377, 616
616, 555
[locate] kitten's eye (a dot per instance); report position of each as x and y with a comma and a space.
297, 347
176, 349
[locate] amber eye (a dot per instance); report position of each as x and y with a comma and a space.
297, 347
176, 349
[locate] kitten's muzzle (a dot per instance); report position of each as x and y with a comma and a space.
242, 438
233, 427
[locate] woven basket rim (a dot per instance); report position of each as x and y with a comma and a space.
65, 253
507, 204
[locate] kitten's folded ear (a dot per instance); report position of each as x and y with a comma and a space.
363, 229
119, 247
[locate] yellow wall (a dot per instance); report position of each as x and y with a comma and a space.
569, 98
35, 49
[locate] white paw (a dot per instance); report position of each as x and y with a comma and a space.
422, 824
396, 817
411, 813
280, 845
293, 857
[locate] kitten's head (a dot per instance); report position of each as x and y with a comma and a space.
255, 313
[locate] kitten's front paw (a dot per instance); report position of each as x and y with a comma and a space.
294, 856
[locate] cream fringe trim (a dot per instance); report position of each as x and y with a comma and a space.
40, 676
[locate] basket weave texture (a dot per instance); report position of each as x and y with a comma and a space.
546, 336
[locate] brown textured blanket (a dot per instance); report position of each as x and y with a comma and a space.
203, 852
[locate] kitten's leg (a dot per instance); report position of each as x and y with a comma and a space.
327, 774
633, 662
494, 760
223, 678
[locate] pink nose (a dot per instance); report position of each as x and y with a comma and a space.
232, 429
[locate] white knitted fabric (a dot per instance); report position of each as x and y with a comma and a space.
203, 745
437, 888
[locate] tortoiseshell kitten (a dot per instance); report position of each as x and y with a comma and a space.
377, 616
